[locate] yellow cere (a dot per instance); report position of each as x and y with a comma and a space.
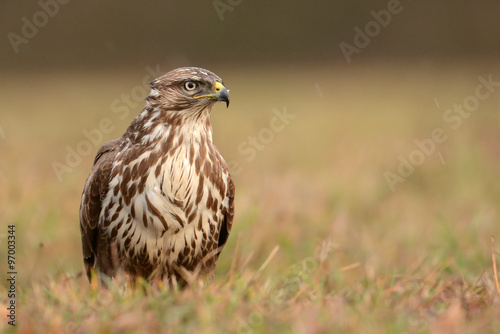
218, 87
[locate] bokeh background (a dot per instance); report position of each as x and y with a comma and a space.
242, 33
320, 176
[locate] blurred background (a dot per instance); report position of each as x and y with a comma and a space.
112, 34
107, 35
353, 83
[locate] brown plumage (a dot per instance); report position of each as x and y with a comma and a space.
159, 200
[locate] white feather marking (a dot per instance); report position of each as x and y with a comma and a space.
154, 92
158, 132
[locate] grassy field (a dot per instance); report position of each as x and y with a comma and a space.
334, 231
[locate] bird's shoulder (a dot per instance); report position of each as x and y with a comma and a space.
96, 186
97, 183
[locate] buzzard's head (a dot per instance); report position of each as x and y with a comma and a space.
187, 88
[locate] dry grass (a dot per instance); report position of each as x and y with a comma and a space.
352, 257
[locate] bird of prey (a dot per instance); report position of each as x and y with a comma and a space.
159, 200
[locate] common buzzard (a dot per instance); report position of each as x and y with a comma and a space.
159, 200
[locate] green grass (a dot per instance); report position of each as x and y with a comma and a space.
320, 242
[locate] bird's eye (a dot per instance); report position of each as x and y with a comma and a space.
190, 85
